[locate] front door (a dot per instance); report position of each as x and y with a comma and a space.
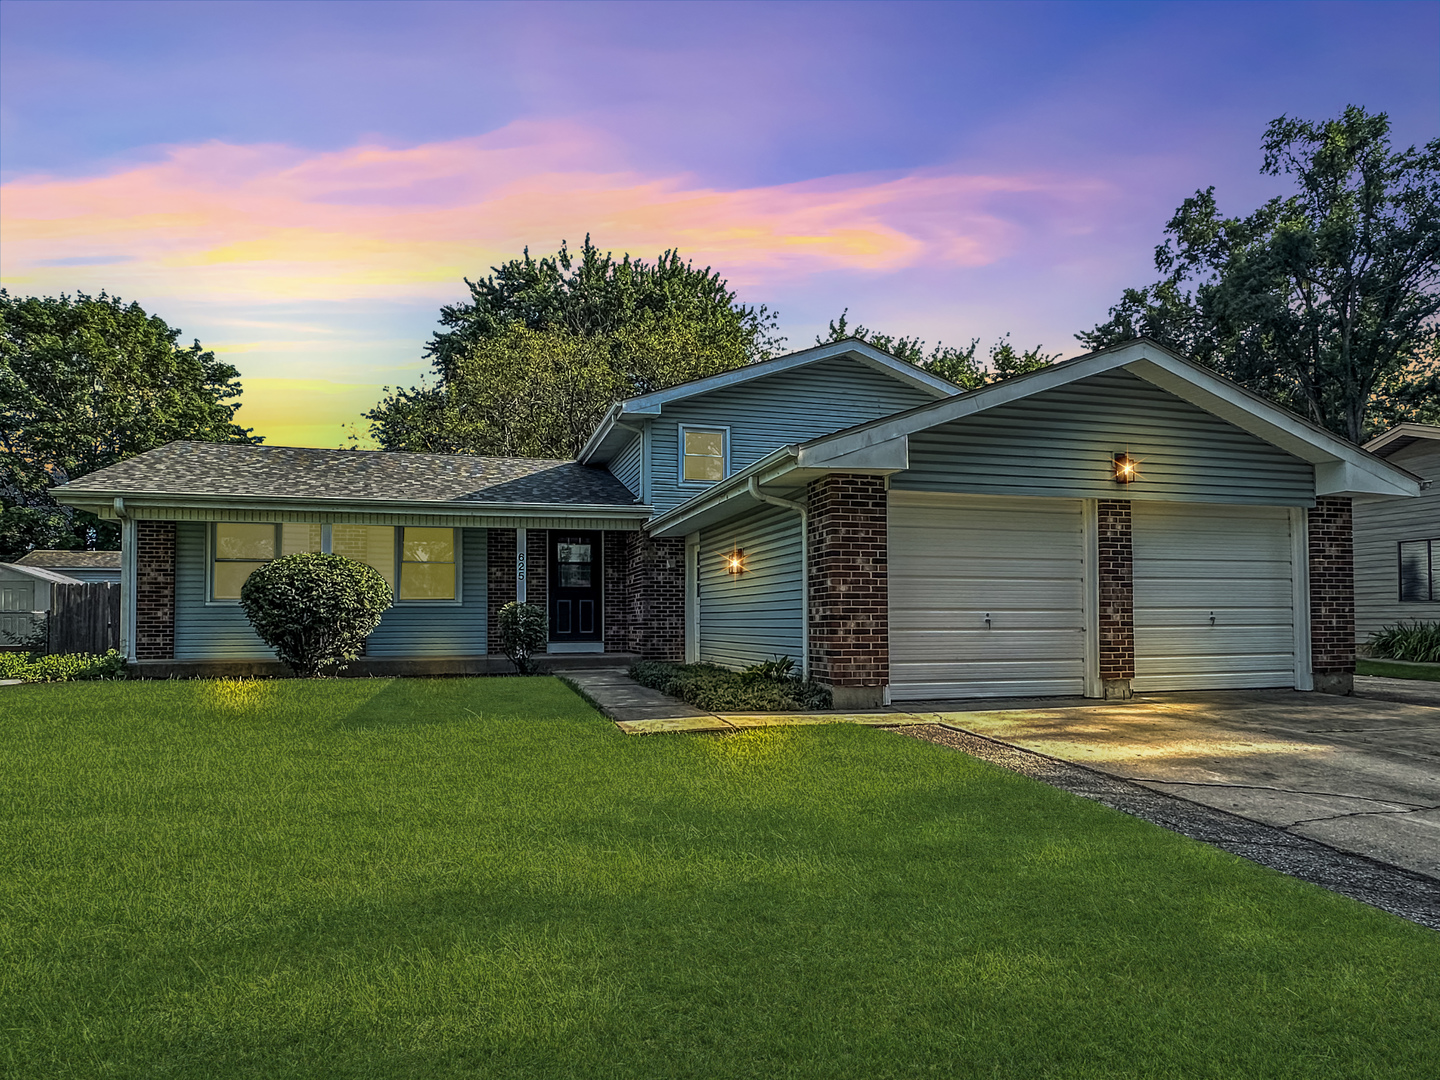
575, 574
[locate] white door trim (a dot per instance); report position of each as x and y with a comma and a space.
692, 598
1300, 594
1094, 685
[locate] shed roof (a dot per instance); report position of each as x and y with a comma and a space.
71, 560
40, 573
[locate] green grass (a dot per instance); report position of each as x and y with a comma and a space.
397, 878
1389, 669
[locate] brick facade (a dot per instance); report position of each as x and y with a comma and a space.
655, 596
1116, 578
1332, 595
537, 568
154, 590
499, 581
848, 536
616, 600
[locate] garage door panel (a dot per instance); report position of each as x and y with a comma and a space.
956, 559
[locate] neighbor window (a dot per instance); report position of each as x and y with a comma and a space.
1417, 569
703, 454
427, 564
241, 548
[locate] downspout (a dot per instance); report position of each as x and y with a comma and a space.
128, 579
775, 500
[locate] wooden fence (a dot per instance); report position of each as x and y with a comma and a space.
85, 618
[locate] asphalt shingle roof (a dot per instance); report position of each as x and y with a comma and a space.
78, 560
197, 468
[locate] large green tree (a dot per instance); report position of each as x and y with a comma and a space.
529, 365
963, 367
85, 382
1325, 301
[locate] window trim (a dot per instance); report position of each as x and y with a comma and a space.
457, 545
1431, 544
724, 431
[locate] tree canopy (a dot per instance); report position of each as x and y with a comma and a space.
1324, 301
86, 382
961, 366
545, 346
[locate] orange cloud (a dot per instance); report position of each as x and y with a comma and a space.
223, 222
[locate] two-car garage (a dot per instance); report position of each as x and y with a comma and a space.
997, 596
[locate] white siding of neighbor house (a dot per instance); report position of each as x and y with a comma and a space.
755, 616
626, 465
767, 413
221, 632
1060, 443
1380, 524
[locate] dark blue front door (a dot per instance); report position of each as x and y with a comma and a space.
575, 575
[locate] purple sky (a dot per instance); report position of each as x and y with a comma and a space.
302, 185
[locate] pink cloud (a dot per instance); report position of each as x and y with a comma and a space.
268, 222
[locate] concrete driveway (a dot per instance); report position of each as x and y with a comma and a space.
1361, 775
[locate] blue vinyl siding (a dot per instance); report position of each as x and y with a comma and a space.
1060, 443
221, 631
626, 465
767, 413
754, 616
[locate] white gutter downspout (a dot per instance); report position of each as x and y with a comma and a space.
775, 500
128, 580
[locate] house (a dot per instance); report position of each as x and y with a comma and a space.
1126, 520
1397, 543
80, 565
24, 595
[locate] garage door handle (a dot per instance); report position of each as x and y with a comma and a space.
987, 620
1212, 618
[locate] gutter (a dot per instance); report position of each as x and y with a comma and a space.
786, 504
464, 508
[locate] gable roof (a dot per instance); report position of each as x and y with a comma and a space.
882, 446
611, 435
1401, 436
67, 560
40, 573
276, 473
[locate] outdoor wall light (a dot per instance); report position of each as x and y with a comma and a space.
735, 561
1127, 469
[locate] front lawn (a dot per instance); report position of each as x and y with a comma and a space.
440, 878
1389, 669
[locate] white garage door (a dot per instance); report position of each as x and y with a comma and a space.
958, 560
1214, 601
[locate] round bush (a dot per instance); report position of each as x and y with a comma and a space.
315, 610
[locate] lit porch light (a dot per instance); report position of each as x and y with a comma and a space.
1126, 468
735, 561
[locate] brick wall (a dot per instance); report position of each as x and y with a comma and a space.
154, 590
1332, 594
616, 600
499, 581
655, 594
848, 537
1117, 592
537, 568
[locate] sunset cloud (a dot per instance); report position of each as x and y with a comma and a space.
266, 222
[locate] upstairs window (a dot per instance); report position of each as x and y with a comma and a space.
703, 454
1418, 570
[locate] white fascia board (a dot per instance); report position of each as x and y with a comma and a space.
41, 573
1403, 431
139, 500
890, 456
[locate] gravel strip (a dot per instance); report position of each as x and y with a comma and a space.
1401, 892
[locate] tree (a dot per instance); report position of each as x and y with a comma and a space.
960, 366
545, 346
86, 382
315, 610
1324, 301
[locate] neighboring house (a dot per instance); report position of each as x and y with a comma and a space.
24, 596
1126, 520
1397, 542
80, 565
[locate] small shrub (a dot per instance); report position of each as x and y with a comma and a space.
62, 667
720, 690
1417, 641
524, 630
782, 667
315, 610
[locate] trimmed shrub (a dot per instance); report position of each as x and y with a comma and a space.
1418, 642
315, 610
524, 630
62, 667
720, 690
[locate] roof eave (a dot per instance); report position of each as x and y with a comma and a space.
461, 507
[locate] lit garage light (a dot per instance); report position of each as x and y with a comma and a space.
1127, 469
735, 561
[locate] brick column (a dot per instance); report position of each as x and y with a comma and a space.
499, 581
849, 543
537, 568
616, 600
1116, 573
655, 590
154, 590
1332, 596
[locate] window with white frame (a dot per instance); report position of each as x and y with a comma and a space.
427, 564
703, 454
241, 548
1418, 570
